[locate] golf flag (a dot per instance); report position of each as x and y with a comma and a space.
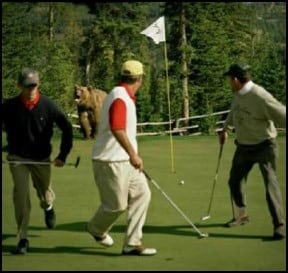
156, 31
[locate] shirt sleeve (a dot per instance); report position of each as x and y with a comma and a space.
276, 111
229, 120
117, 115
67, 132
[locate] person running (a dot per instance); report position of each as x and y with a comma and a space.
28, 120
254, 114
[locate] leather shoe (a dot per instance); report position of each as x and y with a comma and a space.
22, 246
50, 218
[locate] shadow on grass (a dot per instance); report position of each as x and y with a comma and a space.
179, 230
205, 225
10, 250
76, 226
7, 236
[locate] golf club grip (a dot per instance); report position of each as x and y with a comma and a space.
147, 175
219, 158
221, 150
76, 164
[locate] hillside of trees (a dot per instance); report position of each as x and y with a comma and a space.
74, 42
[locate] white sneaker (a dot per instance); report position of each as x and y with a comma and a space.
138, 250
104, 241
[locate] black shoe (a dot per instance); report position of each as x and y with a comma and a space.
50, 218
22, 246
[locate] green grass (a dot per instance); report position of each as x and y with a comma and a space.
69, 247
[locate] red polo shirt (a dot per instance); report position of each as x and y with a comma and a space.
117, 111
30, 104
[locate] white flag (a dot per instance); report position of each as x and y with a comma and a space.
156, 31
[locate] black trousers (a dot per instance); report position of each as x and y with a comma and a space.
265, 154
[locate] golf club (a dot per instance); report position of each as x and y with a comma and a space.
201, 235
214, 184
40, 163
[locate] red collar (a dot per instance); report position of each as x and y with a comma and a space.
129, 91
30, 104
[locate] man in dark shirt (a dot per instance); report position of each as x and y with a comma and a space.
28, 120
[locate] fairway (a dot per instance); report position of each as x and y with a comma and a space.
70, 248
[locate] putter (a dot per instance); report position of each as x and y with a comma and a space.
40, 163
201, 234
214, 184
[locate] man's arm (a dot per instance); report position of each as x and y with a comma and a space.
67, 136
223, 135
276, 111
122, 138
117, 120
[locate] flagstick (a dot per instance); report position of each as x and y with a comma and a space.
169, 109
156, 31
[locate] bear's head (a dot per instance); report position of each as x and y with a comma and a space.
81, 92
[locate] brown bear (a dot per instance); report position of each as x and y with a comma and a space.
89, 103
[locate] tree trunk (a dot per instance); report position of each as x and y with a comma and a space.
87, 72
51, 21
183, 45
88, 62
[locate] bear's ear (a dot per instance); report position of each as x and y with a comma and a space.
76, 86
90, 88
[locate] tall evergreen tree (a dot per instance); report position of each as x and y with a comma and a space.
70, 45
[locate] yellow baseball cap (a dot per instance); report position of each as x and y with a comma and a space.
132, 68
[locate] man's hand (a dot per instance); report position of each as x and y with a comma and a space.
58, 163
137, 162
223, 135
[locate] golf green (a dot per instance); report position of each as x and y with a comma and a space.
69, 247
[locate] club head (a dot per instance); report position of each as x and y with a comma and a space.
203, 235
77, 161
204, 218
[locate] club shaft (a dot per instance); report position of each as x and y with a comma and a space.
27, 162
34, 163
215, 179
232, 205
172, 203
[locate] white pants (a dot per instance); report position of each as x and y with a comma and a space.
121, 187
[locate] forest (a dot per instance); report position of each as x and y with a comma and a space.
85, 43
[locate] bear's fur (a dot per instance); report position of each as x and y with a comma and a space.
89, 103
